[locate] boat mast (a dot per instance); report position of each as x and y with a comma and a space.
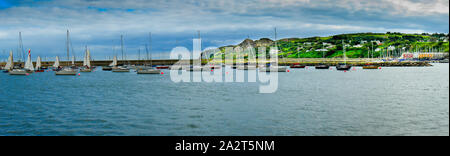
201, 54
121, 45
21, 52
150, 43
276, 44
67, 45
345, 56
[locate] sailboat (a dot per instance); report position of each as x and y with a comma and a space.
38, 68
86, 62
19, 70
371, 66
10, 64
197, 67
56, 65
322, 65
67, 70
148, 70
344, 66
298, 65
276, 67
29, 68
121, 69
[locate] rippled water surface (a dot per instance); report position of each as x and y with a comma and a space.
391, 101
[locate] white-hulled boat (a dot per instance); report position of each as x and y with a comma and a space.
195, 68
246, 67
38, 65
148, 69
343, 66
56, 65
67, 70
120, 69
86, 62
273, 69
18, 72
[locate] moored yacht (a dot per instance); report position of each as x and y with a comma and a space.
66, 70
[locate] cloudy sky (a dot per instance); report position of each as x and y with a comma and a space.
99, 23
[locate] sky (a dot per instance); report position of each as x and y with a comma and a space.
98, 24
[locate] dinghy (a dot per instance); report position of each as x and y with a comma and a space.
86, 62
343, 66
10, 64
38, 65
148, 69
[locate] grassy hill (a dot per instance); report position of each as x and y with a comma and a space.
359, 45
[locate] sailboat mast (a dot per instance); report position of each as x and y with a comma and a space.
67, 46
146, 55
201, 54
150, 43
276, 44
22, 52
345, 56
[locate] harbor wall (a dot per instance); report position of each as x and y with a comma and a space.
287, 61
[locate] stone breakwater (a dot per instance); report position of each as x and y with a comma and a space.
307, 62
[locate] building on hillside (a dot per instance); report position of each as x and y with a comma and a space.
391, 48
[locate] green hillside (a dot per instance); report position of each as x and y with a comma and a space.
360, 45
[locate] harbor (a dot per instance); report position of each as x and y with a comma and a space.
309, 102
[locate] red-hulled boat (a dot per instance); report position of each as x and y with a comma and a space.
162, 67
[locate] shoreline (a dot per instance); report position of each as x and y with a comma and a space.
286, 62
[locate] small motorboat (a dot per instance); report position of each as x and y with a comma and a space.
162, 67
18, 72
371, 67
149, 71
322, 66
274, 69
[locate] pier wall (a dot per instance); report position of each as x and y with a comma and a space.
287, 61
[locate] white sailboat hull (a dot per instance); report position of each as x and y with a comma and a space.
120, 70
66, 72
18, 72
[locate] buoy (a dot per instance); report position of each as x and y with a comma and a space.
212, 70
345, 71
79, 74
162, 73
227, 73
27, 74
288, 71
